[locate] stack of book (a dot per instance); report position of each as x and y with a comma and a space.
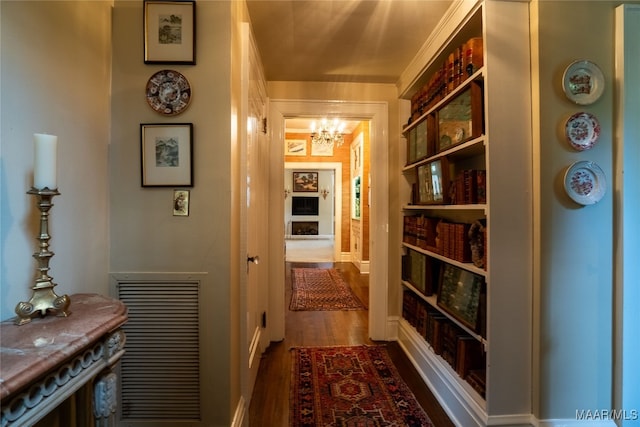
460, 63
455, 241
438, 236
470, 187
410, 230
422, 231
477, 379
464, 353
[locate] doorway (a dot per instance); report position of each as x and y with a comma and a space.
377, 114
325, 246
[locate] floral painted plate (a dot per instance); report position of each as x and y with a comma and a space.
168, 92
582, 131
583, 82
585, 182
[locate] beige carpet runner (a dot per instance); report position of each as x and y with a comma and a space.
321, 289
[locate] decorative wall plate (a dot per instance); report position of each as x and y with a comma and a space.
168, 92
585, 182
582, 131
583, 82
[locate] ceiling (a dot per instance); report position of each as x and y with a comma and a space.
370, 41
353, 41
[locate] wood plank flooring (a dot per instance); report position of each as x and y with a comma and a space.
270, 401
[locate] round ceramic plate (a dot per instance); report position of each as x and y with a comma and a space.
583, 82
585, 182
582, 131
168, 92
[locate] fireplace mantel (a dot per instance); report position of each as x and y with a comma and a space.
44, 362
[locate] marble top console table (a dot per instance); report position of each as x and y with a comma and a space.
45, 361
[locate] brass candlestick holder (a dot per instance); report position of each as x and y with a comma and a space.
43, 299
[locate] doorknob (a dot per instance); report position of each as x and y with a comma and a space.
253, 259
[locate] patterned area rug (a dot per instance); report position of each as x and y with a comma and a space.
319, 289
350, 386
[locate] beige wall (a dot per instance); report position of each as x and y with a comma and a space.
573, 288
145, 236
55, 79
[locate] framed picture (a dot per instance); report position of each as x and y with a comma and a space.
319, 149
459, 294
169, 32
295, 147
357, 197
166, 155
180, 202
461, 118
433, 182
411, 146
305, 182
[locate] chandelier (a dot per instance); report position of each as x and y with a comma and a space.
327, 133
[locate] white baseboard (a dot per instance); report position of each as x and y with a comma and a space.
588, 421
238, 417
309, 236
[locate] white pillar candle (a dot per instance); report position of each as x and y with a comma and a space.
45, 159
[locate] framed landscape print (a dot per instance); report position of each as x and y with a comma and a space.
461, 118
305, 182
459, 294
166, 155
170, 32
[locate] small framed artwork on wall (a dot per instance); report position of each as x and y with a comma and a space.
180, 202
305, 182
295, 147
170, 32
166, 155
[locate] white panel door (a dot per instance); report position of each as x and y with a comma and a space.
255, 169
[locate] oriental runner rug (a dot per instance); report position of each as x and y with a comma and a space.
350, 386
320, 289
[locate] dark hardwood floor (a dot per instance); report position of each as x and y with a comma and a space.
270, 401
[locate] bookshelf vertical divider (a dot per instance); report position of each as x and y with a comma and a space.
467, 313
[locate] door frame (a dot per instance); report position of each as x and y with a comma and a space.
377, 114
627, 207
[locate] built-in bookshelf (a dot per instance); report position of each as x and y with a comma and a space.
466, 280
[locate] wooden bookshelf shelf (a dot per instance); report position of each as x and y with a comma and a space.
477, 127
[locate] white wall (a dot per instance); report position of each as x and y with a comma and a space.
56, 64
325, 205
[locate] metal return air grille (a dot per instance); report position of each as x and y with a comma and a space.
160, 370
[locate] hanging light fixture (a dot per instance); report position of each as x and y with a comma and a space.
328, 133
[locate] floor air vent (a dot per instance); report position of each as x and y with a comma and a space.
160, 370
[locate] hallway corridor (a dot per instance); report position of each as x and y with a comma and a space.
270, 401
